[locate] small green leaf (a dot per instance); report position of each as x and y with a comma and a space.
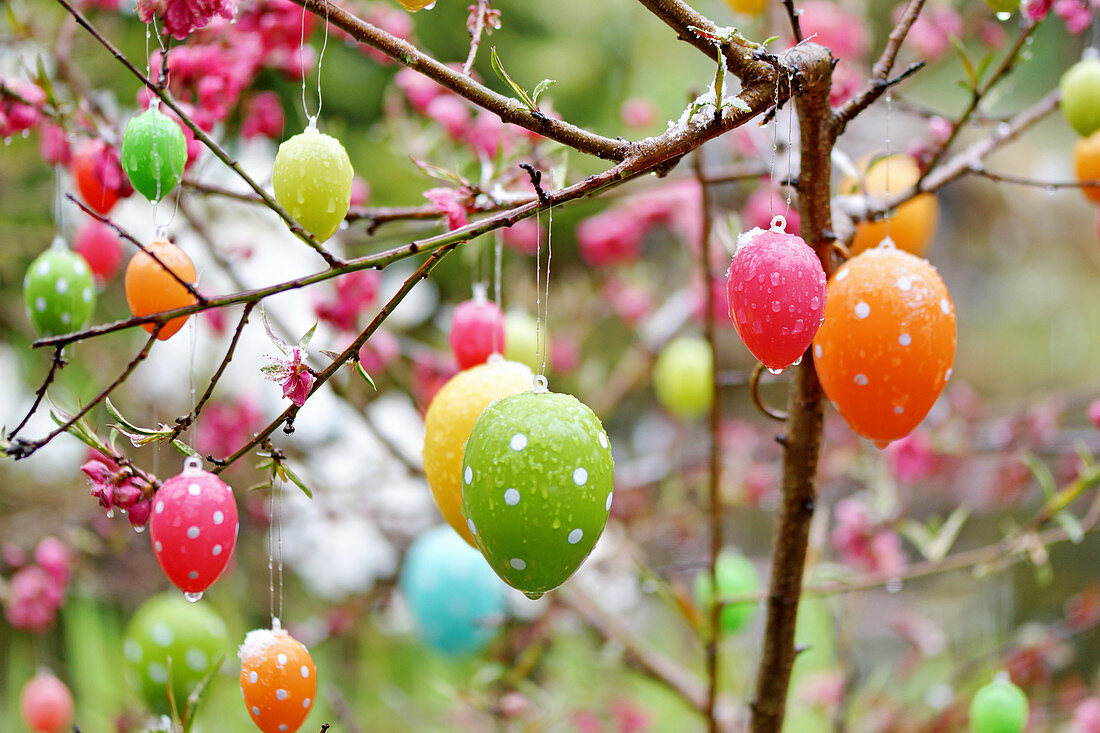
434, 171
499, 69
184, 448
199, 694
296, 480
1073, 528
331, 354
541, 87
968, 65
1041, 473
303, 343
279, 343
366, 377
939, 547
769, 41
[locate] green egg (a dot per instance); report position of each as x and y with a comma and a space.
312, 179
736, 576
537, 480
520, 338
1003, 6
154, 154
683, 377
168, 627
58, 292
1080, 87
999, 707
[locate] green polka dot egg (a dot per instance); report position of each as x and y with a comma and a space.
537, 480
312, 180
168, 627
154, 153
59, 292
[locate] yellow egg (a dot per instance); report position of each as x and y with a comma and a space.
913, 224
312, 179
747, 7
413, 5
450, 419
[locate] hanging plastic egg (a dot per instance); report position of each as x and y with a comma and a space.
414, 5
447, 426
193, 528
747, 7
736, 576
278, 680
776, 291
47, 704
913, 224
169, 638
537, 480
58, 291
455, 599
100, 247
1080, 102
683, 377
97, 176
999, 707
477, 330
154, 153
520, 338
885, 350
312, 179
1086, 163
150, 288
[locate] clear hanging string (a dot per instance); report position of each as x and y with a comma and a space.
790, 148
775, 148
542, 298
320, 60
886, 174
498, 253
275, 556
154, 103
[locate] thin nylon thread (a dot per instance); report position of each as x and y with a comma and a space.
320, 60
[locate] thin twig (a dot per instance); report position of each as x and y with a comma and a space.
56, 364
792, 17
479, 12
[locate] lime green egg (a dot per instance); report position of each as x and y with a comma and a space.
58, 292
312, 179
154, 154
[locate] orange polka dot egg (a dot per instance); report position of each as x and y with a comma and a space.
885, 349
278, 680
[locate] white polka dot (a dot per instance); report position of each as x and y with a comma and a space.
66, 318
160, 507
518, 442
218, 517
216, 550
861, 379
817, 351
280, 694
517, 563
193, 575
898, 409
575, 536
843, 273
158, 546
79, 267
282, 726
132, 650
469, 475
862, 310
305, 672
252, 677
62, 285
603, 441
196, 659
470, 524
306, 702
157, 672
905, 284
162, 634
40, 304
947, 374
192, 532
945, 306
580, 477
607, 504
194, 489
511, 497
255, 710
905, 339
87, 295
280, 660
43, 268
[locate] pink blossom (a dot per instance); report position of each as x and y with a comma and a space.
182, 17
629, 302
864, 545
912, 458
846, 82
448, 201
1074, 13
101, 477
523, 236
33, 599
1086, 716
225, 426
102, 4
19, 116
933, 30
565, 355
263, 116
823, 689
430, 372
451, 113
638, 112
293, 375
127, 493
763, 204
488, 135
719, 302
355, 292
630, 718
993, 34
360, 192
612, 237
53, 556
585, 721
138, 514
939, 129
1094, 413
418, 89
391, 19
380, 351
1036, 10
831, 26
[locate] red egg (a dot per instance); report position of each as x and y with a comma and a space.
885, 350
193, 528
477, 330
98, 244
94, 172
776, 291
46, 704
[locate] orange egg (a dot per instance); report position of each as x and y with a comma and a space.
278, 680
885, 349
1086, 162
913, 224
151, 289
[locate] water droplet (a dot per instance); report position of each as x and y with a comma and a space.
776, 306
776, 372
533, 595
797, 361
193, 597
1003, 16
775, 278
139, 528
893, 585
110, 513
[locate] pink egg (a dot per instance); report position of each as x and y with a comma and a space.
776, 291
194, 528
46, 704
98, 244
477, 330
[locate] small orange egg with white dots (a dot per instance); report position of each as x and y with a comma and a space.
278, 680
885, 349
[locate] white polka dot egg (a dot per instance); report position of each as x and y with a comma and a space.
193, 528
58, 292
278, 680
537, 481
